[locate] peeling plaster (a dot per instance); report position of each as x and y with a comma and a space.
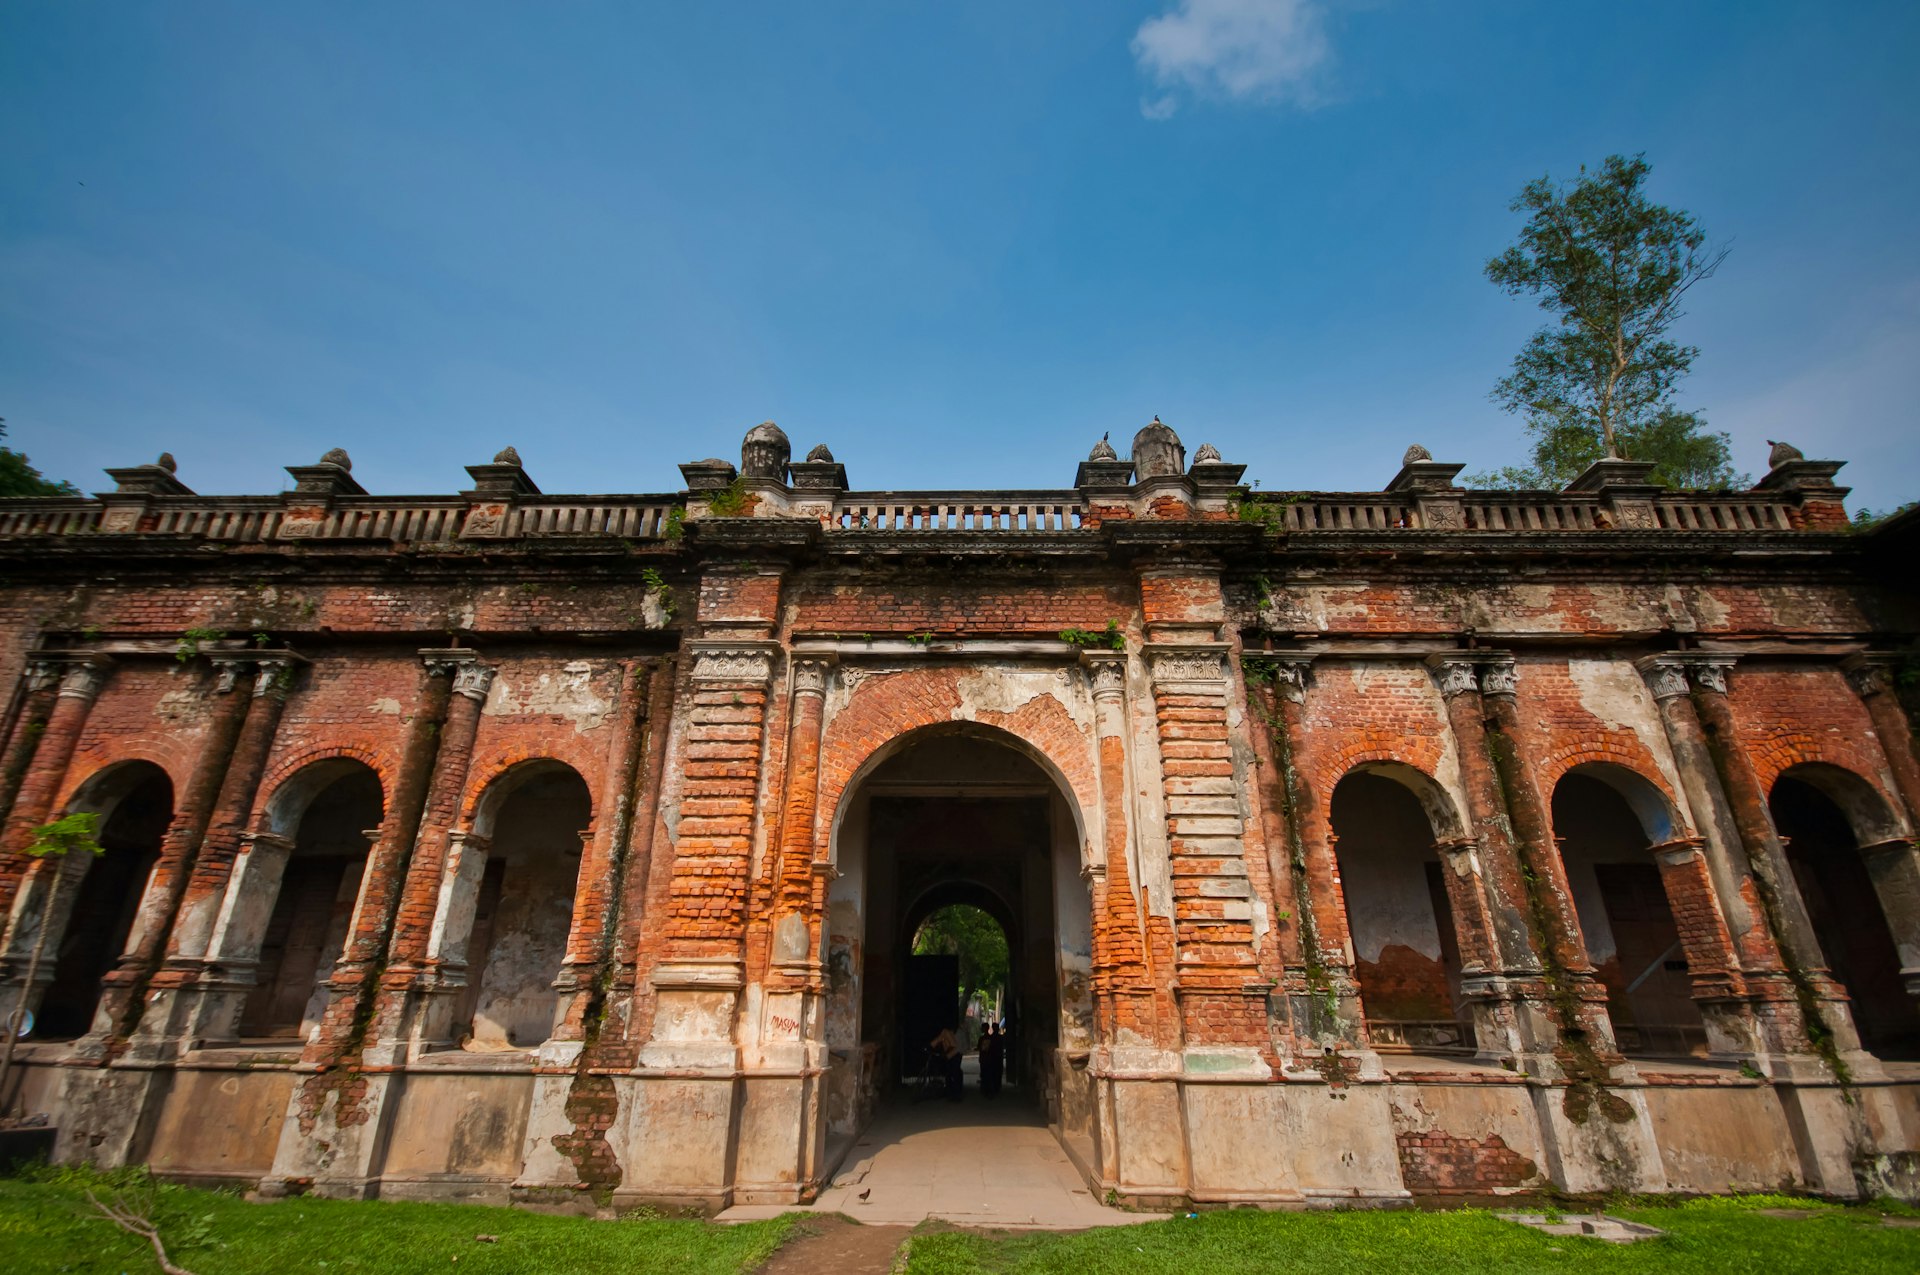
1618, 698
568, 694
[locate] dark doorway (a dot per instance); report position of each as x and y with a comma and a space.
1846, 914
108, 897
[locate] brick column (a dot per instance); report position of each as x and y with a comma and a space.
1718, 987
173, 1011
793, 958
1869, 679
372, 923
123, 998
1509, 1002
1777, 1017
1894, 865
1303, 867
1222, 994
1130, 1010
409, 980
1556, 924
40, 686
80, 685
637, 879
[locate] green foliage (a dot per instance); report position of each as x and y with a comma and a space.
731, 500
1611, 267
657, 586
676, 526
189, 644
1868, 519
69, 834
19, 478
973, 936
1109, 638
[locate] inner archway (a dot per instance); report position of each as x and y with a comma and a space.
134, 804
1823, 815
946, 818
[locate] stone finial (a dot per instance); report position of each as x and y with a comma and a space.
820, 455
331, 475
1207, 455
506, 456
1103, 450
1781, 453
1414, 455
167, 462
1158, 453
819, 472
765, 451
338, 456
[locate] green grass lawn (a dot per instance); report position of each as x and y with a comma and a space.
47, 1226
1704, 1236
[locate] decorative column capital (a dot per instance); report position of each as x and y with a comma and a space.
1107, 671
1289, 673
84, 679
1678, 851
42, 672
273, 676
473, 680
446, 661
1497, 676
1198, 664
1709, 672
810, 673
1456, 673
1867, 674
1665, 675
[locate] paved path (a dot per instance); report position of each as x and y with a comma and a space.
984, 1163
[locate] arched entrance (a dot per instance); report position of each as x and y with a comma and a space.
1386, 820
321, 819
1607, 819
134, 802
944, 816
1825, 815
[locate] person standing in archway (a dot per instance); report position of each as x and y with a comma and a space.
945, 1048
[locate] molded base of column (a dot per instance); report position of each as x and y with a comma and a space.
331, 1135
107, 1114
1599, 1142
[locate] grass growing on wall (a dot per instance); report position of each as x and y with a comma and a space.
47, 1226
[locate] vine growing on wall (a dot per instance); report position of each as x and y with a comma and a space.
1108, 639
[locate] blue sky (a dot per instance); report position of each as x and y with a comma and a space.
956, 242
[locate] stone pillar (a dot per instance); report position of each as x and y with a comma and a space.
182, 989
123, 998
1894, 865
80, 685
415, 1003
1509, 1003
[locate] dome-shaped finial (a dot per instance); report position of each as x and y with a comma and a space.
1207, 455
764, 452
1103, 450
1782, 453
167, 462
820, 455
338, 456
1157, 453
1415, 454
506, 456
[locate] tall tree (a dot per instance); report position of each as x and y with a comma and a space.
1612, 267
18, 478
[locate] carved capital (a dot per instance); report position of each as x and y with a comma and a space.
810, 674
1867, 675
445, 662
1680, 850
1497, 677
473, 680
1290, 677
84, 680
273, 676
42, 673
1456, 675
1107, 671
1710, 674
1666, 676
733, 662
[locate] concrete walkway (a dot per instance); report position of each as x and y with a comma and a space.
982, 1163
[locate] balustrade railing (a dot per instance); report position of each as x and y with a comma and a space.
958, 511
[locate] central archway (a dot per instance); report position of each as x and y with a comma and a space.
961, 814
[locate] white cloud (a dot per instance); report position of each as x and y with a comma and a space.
1235, 50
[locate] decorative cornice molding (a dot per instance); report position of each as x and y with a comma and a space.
733, 661
1201, 664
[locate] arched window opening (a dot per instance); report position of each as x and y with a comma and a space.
524, 907
1600, 817
1406, 958
307, 927
1845, 909
135, 804
958, 974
